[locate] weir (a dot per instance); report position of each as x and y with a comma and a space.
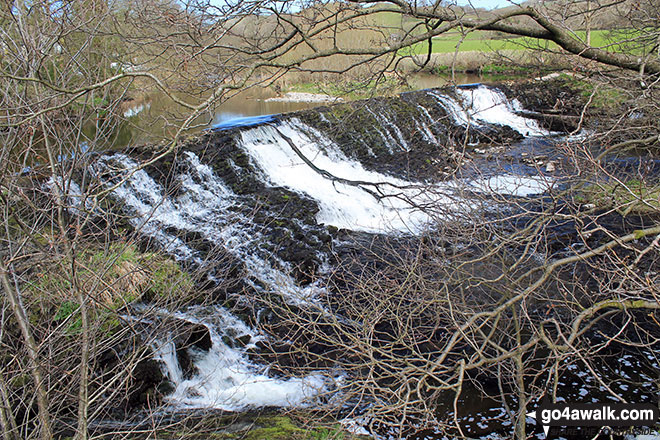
283, 199
291, 155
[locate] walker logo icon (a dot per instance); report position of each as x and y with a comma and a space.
594, 414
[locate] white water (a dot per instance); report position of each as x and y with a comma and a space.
459, 114
488, 105
225, 378
203, 204
206, 206
406, 207
385, 121
341, 205
423, 125
72, 194
508, 184
388, 141
134, 111
482, 105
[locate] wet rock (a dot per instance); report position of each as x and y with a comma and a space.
147, 375
166, 387
552, 102
189, 335
146, 383
233, 340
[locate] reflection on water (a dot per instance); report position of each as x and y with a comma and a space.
160, 117
421, 81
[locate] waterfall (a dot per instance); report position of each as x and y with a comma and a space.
203, 205
481, 105
74, 196
370, 201
423, 125
492, 106
224, 377
285, 154
454, 109
388, 141
380, 203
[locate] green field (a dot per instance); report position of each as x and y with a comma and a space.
480, 41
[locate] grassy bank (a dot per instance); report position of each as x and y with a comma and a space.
259, 425
479, 69
351, 89
482, 41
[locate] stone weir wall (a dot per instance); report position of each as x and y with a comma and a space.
270, 204
420, 135
410, 136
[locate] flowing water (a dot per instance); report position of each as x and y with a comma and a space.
145, 116
346, 193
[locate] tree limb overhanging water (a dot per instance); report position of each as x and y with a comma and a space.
428, 264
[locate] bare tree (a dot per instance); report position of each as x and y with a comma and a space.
67, 70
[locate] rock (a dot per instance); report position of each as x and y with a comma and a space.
235, 341
146, 379
550, 167
166, 387
146, 383
244, 340
189, 335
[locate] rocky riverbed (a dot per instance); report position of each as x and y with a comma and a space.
291, 222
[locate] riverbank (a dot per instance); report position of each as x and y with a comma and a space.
310, 249
257, 424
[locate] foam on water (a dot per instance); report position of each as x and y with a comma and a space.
225, 378
204, 205
342, 205
457, 112
405, 206
508, 184
492, 106
356, 198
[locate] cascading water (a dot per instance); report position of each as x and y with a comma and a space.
491, 106
377, 204
370, 201
225, 378
206, 206
287, 153
480, 105
454, 108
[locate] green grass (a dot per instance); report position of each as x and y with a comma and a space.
481, 42
267, 427
631, 196
113, 276
603, 97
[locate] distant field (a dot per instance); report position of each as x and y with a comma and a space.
478, 41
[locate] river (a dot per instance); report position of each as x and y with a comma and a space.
313, 206
155, 115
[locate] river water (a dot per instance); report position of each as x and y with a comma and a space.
154, 116
208, 203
